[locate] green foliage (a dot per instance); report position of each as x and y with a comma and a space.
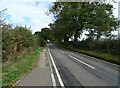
100, 55
43, 36
113, 58
46, 34
106, 46
24, 35
16, 40
17, 67
71, 19
41, 40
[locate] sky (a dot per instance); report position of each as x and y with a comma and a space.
27, 13
32, 14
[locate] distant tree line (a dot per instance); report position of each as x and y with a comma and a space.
45, 36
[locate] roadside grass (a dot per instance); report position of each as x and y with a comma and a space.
12, 71
100, 55
0, 76
97, 54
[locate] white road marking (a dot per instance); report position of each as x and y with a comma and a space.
16, 83
56, 70
82, 62
61, 51
52, 75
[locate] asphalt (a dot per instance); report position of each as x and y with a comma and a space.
81, 70
40, 76
75, 70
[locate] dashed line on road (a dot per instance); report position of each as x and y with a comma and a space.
82, 62
56, 70
61, 51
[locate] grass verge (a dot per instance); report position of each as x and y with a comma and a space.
12, 71
0, 75
97, 54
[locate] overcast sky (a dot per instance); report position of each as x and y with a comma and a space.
30, 13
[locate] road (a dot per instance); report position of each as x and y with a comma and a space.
77, 69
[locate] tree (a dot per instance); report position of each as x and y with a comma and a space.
15, 40
46, 33
73, 18
104, 21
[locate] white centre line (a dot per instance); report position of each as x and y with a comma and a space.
56, 70
82, 62
61, 51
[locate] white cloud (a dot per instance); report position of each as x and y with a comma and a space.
28, 0
27, 13
115, 10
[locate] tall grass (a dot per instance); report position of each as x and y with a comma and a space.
17, 67
98, 54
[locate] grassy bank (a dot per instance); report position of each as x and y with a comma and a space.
100, 55
17, 67
0, 76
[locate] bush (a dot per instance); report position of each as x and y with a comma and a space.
42, 42
15, 40
106, 46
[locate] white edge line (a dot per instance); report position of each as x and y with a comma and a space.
52, 76
82, 62
56, 70
61, 51
16, 83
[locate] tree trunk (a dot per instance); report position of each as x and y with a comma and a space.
66, 38
75, 37
98, 35
77, 33
108, 48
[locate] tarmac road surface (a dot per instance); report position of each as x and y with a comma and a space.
77, 69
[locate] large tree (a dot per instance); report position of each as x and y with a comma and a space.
72, 18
